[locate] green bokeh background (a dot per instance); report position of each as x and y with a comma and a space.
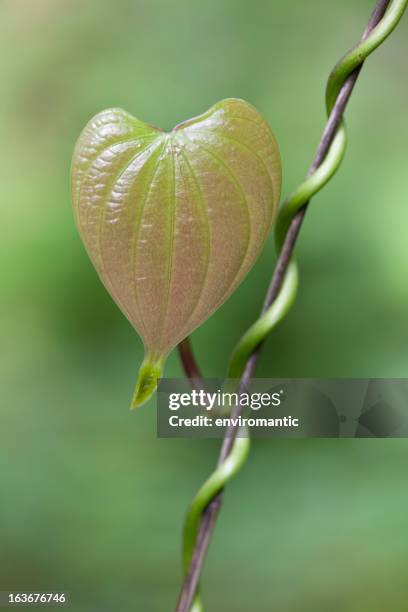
91, 501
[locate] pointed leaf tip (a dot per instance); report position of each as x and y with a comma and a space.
149, 373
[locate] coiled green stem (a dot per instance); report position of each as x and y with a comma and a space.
282, 291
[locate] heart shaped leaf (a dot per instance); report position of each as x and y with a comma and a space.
173, 221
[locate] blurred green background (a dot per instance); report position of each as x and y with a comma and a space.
91, 501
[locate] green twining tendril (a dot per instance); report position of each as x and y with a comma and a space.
287, 293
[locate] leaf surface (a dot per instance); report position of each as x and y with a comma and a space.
174, 221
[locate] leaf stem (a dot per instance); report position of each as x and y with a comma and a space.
342, 83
